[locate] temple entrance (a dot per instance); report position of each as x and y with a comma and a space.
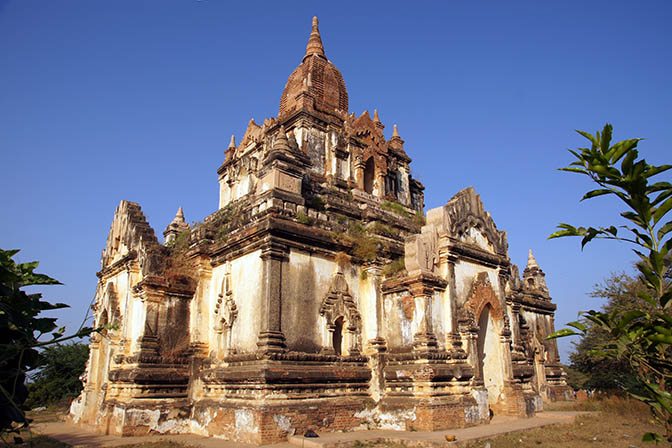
490, 355
337, 336
369, 172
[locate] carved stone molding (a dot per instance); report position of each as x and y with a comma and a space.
226, 310
482, 294
339, 303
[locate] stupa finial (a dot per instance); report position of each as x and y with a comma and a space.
315, 42
531, 261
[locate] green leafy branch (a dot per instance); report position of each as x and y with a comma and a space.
641, 336
21, 334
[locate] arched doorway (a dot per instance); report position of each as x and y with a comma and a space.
337, 336
369, 173
490, 355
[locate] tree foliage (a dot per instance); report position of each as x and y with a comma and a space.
58, 378
642, 336
599, 372
23, 333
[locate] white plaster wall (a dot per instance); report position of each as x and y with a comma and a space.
246, 277
476, 237
493, 371
224, 192
465, 274
398, 330
306, 282
439, 317
200, 311
137, 322
367, 307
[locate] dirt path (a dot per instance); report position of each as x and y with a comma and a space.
77, 437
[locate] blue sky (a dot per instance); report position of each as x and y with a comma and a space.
137, 100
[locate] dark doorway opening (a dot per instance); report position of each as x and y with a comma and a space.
369, 172
338, 335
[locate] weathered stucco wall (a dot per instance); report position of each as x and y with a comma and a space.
246, 273
306, 280
465, 274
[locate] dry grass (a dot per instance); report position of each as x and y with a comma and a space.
31, 440
617, 423
53, 413
160, 444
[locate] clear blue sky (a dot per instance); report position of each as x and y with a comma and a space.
137, 100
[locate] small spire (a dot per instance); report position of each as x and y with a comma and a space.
281, 143
375, 116
232, 144
315, 42
531, 262
179, 216
396, 132
176, 226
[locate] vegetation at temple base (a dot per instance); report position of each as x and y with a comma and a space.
589, 370
612, 422
22, 335
642, 336
58, 377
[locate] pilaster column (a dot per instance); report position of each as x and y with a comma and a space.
422, 287
149, 341
373, 273
453, 338
424, 339
359, 172
379, 185
271, 339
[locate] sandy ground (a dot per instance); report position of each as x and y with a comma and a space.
78, 437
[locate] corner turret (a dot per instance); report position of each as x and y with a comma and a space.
533, 276
177, 225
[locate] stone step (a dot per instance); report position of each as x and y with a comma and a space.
306, 442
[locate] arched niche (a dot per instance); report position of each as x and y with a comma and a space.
369, 175
490, 357
343, 323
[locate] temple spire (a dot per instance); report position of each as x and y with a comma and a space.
396, 131
179, 216
176, 226
315, 42
281, 142
228, 153
531, 261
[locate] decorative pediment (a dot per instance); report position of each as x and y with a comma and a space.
226, 310
464, 219
253, 134
111, 303
422, 251
339, 303
370, 134
129, 232
482, 294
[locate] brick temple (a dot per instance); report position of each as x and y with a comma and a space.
319, 295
